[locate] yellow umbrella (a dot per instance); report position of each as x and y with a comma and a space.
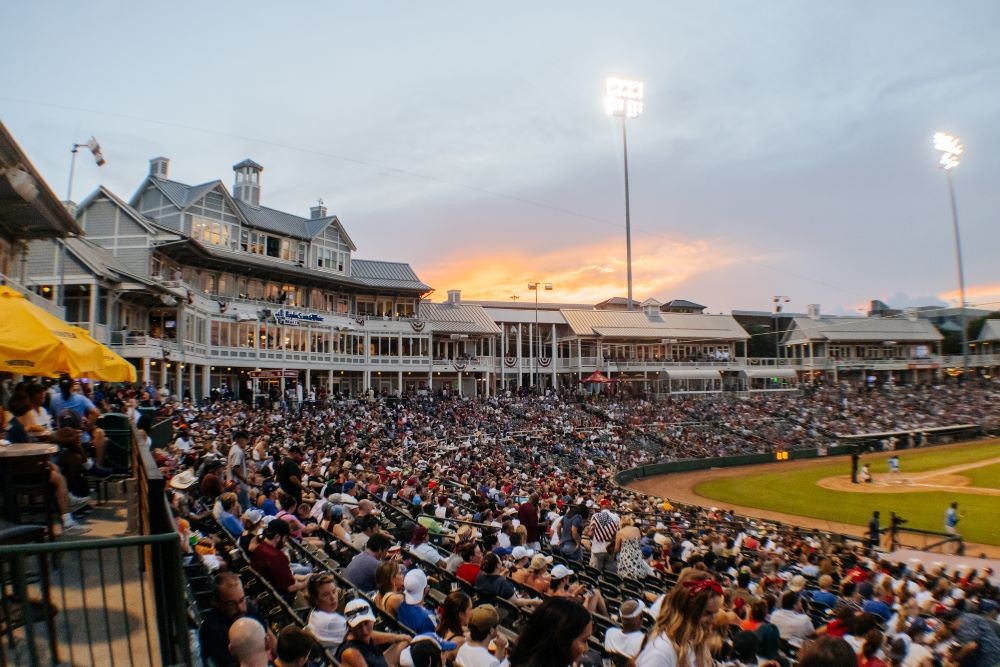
115, 369
33, 342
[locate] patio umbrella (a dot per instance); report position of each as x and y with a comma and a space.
115, 369
33, 342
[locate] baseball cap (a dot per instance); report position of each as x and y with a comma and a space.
357, 612
560, 571
253, 516
484, 617
414, 584
268, 487
520, 552
797, 583
539, 562
277, 527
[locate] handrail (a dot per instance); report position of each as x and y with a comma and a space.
83, 545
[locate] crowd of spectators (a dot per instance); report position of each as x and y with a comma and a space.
513, 500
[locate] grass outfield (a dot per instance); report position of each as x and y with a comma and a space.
796, 492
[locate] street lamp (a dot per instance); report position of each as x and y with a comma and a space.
535, 287
95, 150
623, 97
951, 150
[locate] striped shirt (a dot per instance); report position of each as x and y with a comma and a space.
604, 526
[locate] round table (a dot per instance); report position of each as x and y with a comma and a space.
15, 456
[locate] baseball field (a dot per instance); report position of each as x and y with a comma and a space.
821, 489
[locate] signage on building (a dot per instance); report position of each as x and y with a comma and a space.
273, 374
294, 318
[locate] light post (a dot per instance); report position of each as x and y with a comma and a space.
535, 286
951, 150
779, 301
623, 97
95, 150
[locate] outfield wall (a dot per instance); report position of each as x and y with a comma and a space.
934, 436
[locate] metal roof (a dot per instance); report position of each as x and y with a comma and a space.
511, 316
683, 303
248, 163
32, 211
692, 374
860, 329
990, 331
458, 318
529, 304
635, 324
391, 275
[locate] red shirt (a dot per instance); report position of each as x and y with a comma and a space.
468, 572
272, 564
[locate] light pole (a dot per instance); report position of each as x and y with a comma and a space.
95, 150
535, 286
951, 150
623, 97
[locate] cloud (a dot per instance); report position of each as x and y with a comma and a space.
581, 273
986, 297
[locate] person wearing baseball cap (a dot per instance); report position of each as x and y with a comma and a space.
627, 640
411, 612
359, 649
483, 622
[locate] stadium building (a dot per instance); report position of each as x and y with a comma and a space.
205, 288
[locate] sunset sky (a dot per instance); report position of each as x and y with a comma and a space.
784, 148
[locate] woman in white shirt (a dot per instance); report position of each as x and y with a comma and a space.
683, 631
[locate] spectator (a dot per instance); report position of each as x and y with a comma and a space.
483, 622
979, 645
527, 514
270, 561
871, 650
327, 626
627, 640
361, 570
411, 611
823, 597
683, 629
793, 625
424, 550
359, 648
827, 652
229, 603
472, 557
556, 635
492, 580
571, 533
248, 642
289, 473
228, 520
249, 540
389, 587
455, 613
294, 647
602, 529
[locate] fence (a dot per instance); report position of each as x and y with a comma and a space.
103, 601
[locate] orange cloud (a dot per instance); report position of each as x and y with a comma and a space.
583, 273
986, 297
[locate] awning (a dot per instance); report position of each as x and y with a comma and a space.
770, 373
693, 374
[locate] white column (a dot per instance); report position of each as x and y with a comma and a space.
193, 382
163, 373
579, 359
532, 357
552, 356
206, 381
519, 368
92, 316
178, 380
500, 357
460, 393
145, 370
399, 380
305, 390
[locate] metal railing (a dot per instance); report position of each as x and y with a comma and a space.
106, 601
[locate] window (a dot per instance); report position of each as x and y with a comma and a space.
286, 249
273, 246
209, 231
303, 246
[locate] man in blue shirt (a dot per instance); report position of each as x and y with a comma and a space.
361, 570
411, 611
230, 507
873, 606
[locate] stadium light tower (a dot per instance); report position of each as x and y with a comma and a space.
95, 150
535, 287
951, 150
623, 97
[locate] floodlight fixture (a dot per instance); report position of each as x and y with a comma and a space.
951, 149
623, 97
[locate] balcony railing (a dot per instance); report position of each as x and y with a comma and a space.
48, 306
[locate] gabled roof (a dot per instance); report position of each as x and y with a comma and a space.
683, 303
459, 318
635, 324
248, 163
100, 261
148, 224
860, 329
391, 275
990, 331
617, 301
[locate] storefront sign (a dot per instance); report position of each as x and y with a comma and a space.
273, 374
294, 318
